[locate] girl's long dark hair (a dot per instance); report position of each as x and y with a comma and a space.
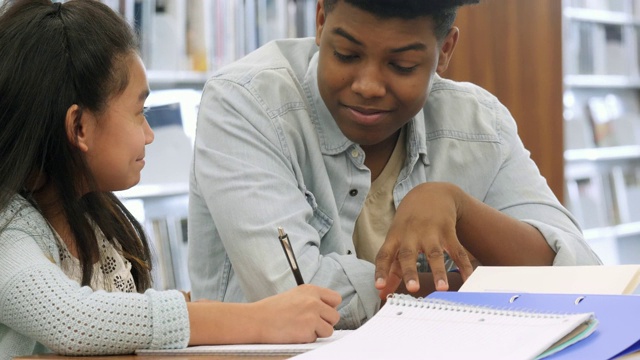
54, 56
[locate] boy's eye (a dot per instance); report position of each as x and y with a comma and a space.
403, 69
343, 57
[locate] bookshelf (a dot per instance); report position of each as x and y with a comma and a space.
182, 42
552, 80
601, 112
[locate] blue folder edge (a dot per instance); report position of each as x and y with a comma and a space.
618, 317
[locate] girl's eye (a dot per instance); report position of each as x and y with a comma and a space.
143, 114
344, 58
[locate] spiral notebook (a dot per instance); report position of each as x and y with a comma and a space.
406, 327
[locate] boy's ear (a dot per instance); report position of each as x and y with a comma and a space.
77, 127
320, 20
446, 49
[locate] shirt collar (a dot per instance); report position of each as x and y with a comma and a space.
332, 140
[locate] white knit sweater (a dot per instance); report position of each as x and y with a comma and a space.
42, 310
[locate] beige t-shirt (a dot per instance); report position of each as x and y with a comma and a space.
378, 211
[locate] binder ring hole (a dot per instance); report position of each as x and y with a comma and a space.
579, 300
514, 298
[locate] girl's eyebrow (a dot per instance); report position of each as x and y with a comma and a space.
144, 95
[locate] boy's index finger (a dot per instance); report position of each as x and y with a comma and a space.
384, 260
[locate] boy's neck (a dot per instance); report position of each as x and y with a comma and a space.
377, 156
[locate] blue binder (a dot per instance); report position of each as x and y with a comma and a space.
617, 333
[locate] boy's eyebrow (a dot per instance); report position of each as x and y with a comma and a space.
418, 46
341, 32
415, 46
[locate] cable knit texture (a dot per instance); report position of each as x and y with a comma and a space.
42, 310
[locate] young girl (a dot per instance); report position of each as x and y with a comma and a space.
74, 263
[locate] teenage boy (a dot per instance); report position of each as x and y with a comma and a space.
350, 141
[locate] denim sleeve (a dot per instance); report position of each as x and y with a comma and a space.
248, 174
530, 199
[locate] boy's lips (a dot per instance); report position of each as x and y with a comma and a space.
366, 116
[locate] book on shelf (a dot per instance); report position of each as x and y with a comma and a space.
571, 47
601, 122
626, 188
616, 50
168, 241
588, 198
162, 264
406, 327
612, 121
198, 34
166, 28
586, 60
596, 279
577, 127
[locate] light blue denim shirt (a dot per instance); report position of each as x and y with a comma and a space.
268, 154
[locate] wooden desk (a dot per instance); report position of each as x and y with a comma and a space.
134, 357
634, 356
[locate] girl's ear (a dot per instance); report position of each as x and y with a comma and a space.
77, 127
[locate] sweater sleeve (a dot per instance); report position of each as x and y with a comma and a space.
39, 301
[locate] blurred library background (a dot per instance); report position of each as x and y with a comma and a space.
569, 72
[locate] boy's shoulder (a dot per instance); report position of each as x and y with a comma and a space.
293, 55
465, 108
450, 91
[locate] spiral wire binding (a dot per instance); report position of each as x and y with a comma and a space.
404, 300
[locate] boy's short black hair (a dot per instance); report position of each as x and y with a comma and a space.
443, 12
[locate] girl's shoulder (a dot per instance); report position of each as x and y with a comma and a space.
20, 216
19, 212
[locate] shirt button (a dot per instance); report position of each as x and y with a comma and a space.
354, 153
353, 192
